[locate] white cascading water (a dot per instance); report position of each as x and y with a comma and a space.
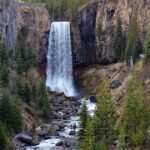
59, 66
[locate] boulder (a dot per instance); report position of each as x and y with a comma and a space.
72, 132
92, 99
43, 129
60, 143
24, 138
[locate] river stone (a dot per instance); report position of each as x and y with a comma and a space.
43, 129
60, 143
72, 132
92, 99
24, 138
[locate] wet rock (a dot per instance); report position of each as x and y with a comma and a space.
25, 139
92, 99
73, 133
60, 143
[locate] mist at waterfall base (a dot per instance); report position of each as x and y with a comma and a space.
59, 66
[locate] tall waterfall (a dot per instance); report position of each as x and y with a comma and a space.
59, 67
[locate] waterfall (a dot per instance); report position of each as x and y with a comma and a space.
59, 67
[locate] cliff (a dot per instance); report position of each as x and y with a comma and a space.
36, 19
88, 49
3, 19
14, 16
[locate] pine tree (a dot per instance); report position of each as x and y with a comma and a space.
102, 145
136, 114
105, 115
3, 54
11, 115
130, 51
87, 143
4, 75
4, 137
83, 120
147, 47
34, 91
118, 44
122, 142
19, 87
27, 93
43, 102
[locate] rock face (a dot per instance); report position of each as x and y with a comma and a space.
88, 48
36, 19
3, 19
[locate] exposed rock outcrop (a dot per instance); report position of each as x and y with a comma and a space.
88, 49
3, 19
36, 19
14, 16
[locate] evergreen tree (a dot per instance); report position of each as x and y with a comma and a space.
147, 47
99, 30
130, 51
34, 91
27, 93
87, 143
10, 115
118, 41
19, 87
43, 101
105, 115
136, 114
4, 75
3, 54
102, 145
122, 144
83, 120
4, 137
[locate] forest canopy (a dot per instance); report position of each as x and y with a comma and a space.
61, 8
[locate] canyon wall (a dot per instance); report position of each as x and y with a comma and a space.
36, 19
14, 16
88, 49
3, 19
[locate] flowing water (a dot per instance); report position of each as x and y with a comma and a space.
59, 66
60, 79
50, 144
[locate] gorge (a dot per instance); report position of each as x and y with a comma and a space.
66, 78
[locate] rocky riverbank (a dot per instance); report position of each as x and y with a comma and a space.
61, 132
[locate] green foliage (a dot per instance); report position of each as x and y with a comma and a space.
19, 87
4, 75
61, 8
83, 120
10, 114
118, 44
132, 40
102, 145
147, 47
27, 93
99, 30
87, 142
4, 137
122, 142
136, 114
105, 115
3, 54
43, 101
25, 57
